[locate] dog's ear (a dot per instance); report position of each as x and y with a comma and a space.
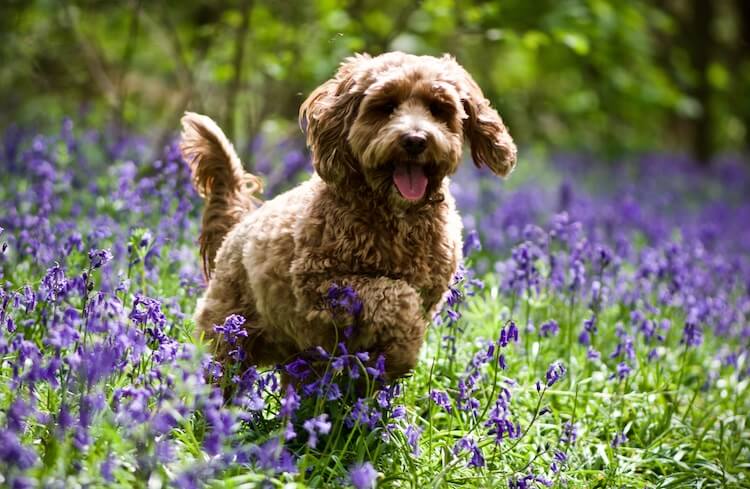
490, 142
326, 116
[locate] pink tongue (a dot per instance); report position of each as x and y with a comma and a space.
410, 180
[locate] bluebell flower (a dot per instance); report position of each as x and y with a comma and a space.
413, 434
692, 334
22, 482
472, 243
528, 482
186, 480
569, 433
289, 402
399, 412
620, 438
468, 444
363, 476
13, 453
555, 372
232, 329
549, 328
164, 451
273, 456
508, 335
316, 426
298, 369
99, 258
441, 399
559, 460
623, 370
344, 299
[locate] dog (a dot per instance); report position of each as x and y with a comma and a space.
385, 133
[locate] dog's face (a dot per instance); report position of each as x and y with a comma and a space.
397, 122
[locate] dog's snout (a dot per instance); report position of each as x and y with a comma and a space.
414, 143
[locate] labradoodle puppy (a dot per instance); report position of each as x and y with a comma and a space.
385, 133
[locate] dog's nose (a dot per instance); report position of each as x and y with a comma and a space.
413, 144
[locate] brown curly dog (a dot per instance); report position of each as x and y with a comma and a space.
385, 133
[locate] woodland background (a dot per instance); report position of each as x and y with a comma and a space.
608, 77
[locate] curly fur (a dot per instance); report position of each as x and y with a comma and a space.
218, 177
348, 224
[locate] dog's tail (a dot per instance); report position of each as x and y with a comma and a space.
219, 178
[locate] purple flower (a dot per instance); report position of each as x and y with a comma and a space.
378, 370
441, 399
468, 444
186, 480
603, 256
559, 460
692, 335
524, 273
501, 362
147, 310
472, 243
298, 369
399, 412
316, 426
164, 451
555, 372
570, 432
99, 258
344, 299
620, 438
13, 453
289, 433
363, 476
498, 419
623, 370
653, 354
508, 335
412, 438
289, 403
212, 368
527, 482
589, 329
273, 456
549, 328
360, 413
163, 422
232, 329
17, 414
23, 483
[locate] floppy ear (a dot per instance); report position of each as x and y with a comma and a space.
326, 117
488, 137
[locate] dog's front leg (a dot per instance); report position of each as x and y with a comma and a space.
392, 320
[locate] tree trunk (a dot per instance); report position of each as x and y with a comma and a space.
743, 66
701, 43
239, 58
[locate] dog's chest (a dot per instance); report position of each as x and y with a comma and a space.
421, 252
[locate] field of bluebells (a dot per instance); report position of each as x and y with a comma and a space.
598, 335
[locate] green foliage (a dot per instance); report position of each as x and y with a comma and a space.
594, 75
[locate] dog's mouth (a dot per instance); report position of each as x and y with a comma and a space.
411, 180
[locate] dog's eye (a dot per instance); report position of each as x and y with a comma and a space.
441, 110
387, 107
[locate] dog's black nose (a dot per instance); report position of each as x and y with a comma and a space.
413, 144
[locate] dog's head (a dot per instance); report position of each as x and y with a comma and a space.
398, 123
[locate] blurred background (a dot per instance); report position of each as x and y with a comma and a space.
610, 78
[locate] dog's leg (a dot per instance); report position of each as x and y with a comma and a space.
392, 321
